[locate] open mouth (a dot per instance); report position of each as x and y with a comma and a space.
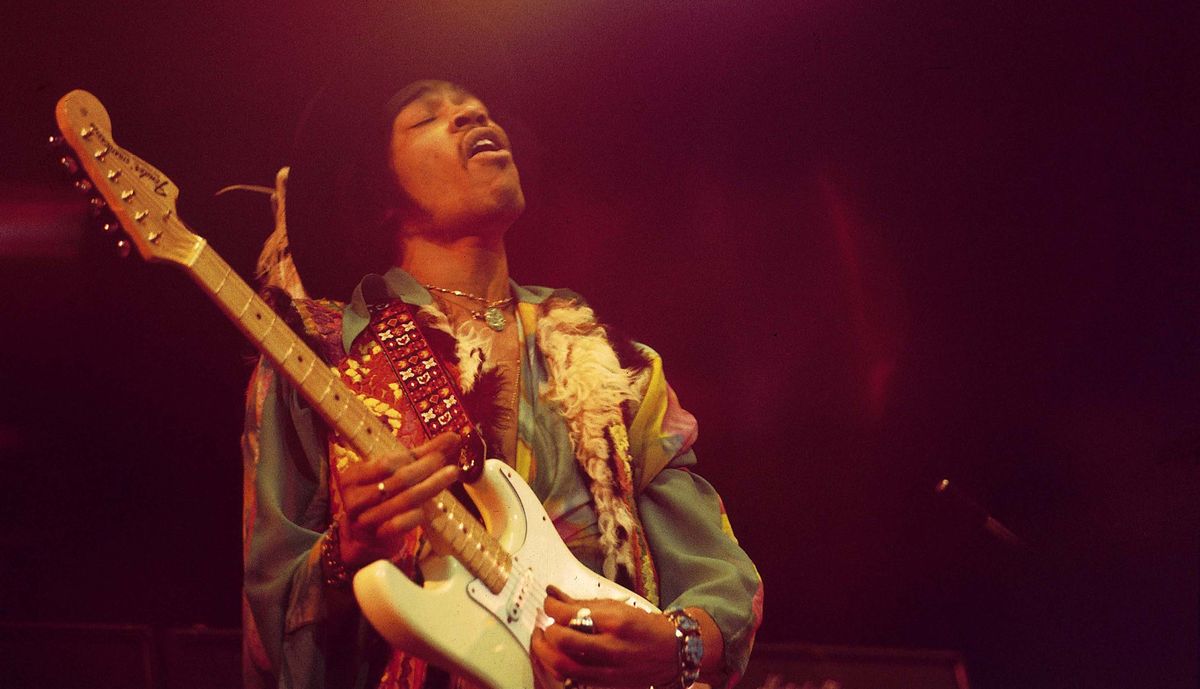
481, 146
483, 140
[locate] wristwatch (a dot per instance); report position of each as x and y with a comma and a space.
691, 646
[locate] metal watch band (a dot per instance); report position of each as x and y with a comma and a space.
691, 646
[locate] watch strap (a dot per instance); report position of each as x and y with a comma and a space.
691, 646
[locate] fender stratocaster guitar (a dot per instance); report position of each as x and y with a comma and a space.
483, 591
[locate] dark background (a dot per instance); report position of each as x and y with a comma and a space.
878, 244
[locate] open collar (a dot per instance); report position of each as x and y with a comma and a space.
398, 284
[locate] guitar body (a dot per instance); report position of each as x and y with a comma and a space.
456, 622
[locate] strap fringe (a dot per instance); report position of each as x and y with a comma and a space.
275, 268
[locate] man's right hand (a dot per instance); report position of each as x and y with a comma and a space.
375, 520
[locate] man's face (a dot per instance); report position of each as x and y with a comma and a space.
454, 164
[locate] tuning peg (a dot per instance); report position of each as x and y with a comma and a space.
55, 141
124, 248
99, 211
84, 185
69, 164
104, 221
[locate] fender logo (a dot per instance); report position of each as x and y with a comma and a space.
144, 173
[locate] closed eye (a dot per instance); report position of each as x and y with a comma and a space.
425, 121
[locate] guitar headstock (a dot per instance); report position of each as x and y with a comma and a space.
140, 197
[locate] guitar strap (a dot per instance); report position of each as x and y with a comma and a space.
427, 385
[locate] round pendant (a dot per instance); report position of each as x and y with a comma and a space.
495, 319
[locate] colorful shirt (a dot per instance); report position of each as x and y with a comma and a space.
302, 633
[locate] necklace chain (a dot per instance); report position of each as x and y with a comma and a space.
498, 303
492, 315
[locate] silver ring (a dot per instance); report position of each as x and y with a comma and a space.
582, 621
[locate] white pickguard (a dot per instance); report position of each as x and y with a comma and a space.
454, 620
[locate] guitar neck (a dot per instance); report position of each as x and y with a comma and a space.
450, 524
143, 200
291, 356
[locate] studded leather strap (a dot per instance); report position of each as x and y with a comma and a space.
427, 386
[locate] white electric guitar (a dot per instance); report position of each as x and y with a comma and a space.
483, 592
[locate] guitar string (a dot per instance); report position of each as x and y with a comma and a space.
540, 592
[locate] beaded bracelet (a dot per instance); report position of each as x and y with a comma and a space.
336, 574
691, 646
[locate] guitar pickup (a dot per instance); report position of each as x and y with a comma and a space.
520, 594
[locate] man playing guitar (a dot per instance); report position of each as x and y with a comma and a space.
584, 417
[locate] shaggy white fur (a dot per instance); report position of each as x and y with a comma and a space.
587, 381
472, 346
